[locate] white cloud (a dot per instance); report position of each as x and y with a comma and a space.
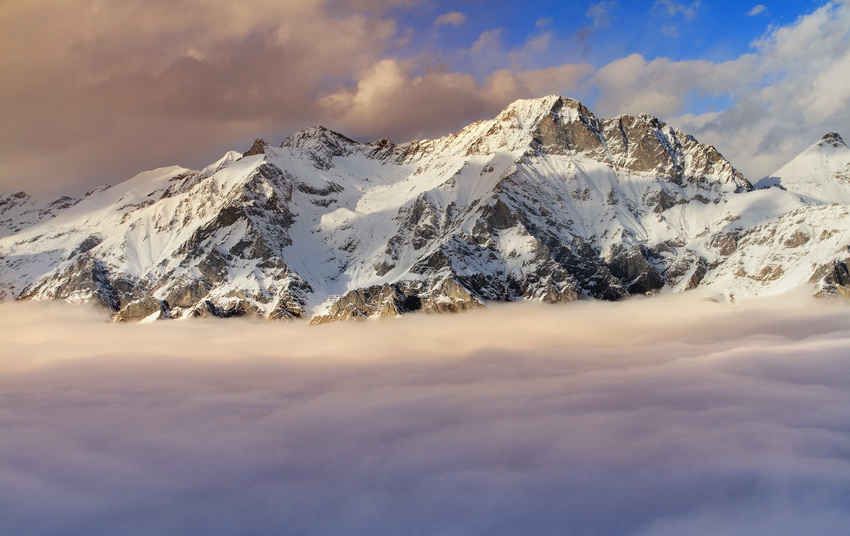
652, 417
670, 30
411, 98
792, 92
543, 22
391, 98
689, 11
661, 86
783, 96
757, 10
453, 18
600, 14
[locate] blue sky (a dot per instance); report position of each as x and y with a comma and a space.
109, 88
602, 31
597, 32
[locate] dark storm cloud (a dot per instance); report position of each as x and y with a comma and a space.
652, 417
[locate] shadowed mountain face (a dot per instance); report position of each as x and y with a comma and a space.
545, 202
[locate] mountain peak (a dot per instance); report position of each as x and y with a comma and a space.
322, 143
821, 173
568, 103
832, 139
259, 147
307, 137
529, 112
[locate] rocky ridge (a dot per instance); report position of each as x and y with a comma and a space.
545, 202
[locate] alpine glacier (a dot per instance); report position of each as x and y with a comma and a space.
545, 202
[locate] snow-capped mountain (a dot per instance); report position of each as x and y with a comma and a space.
544, 202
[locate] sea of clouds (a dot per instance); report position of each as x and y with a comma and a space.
651, 417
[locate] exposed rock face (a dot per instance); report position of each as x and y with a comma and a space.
83, 279
833, 279
321, 145
832, 139
632, 266
546, 202
570, 128
259, 147
687, 272
142, 308
19, 211
376, 301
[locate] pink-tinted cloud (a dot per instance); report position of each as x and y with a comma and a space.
126, 86
94, 92
452, 18
391, 98
96, 87
653, 417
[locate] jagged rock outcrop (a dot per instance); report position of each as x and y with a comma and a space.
833, 279
259, 147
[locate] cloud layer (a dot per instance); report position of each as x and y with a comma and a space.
94, 92
650, 417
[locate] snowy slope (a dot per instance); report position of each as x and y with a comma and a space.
544, 202
19, 211
820, 174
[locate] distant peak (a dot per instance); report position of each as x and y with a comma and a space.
833, 139
228, 158
651, 120
323, 144
315, 133
259, 147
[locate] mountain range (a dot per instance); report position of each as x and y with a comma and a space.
545, 202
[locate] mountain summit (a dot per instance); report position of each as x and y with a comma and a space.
820, 174
544, 202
